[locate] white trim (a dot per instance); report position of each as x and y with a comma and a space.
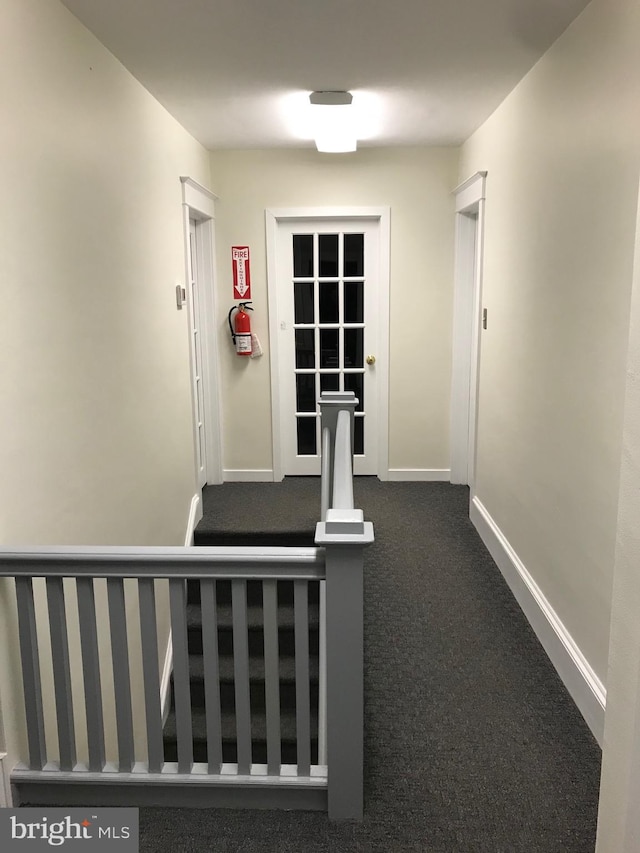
271, 226
574, 669
199, 204
195, 514
381, 214
198, 197
382, 360
427, 475
206, 254
249, 475
470, 191
467, 309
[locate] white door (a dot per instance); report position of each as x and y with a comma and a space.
196, 345
328, 279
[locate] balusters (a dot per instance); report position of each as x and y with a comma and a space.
182, 687
272, 676
241, 674
121, 676
31, 673
150, 675
303, 705
91, 672
61, 672
211, 674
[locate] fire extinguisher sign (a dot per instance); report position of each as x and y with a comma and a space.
241, 272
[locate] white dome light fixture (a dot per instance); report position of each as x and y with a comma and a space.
333, 122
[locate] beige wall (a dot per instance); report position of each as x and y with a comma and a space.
95, 440
619, 820
417, 185
562, 153
98, 447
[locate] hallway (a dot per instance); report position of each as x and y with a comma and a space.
472, 744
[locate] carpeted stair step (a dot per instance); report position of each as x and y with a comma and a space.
265, 514
229, 747
254, 592
244, 516
286, 669
286, 634
256, 682
262, 538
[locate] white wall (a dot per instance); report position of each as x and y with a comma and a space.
416, 184
95, 443
562, 153
619, 819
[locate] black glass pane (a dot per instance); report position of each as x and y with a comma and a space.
355, 382
329, 382
353, 347
354, 254
328, 301
302, 255
305, 349
303, 302
305, 392
328, 254
306, 436
329, 347
354, 301
358, 435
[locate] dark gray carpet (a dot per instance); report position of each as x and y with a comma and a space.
279, 513
472, 744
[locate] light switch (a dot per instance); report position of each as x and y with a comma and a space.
181, 296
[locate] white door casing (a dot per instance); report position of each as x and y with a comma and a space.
196, 349
322, 337
198, 205
467, 316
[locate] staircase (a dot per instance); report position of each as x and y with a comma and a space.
217, 529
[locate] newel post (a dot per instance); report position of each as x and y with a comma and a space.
331, 403
344, 535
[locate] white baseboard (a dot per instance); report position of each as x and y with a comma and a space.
195, 514
426, 475
578, 677
248, 475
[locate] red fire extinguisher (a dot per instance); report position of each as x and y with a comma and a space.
241, 328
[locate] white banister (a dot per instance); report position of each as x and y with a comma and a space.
331, 574
342, 466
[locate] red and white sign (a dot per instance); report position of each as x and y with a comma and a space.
241, 272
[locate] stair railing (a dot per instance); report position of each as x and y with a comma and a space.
63, 608
88, 631
344, 534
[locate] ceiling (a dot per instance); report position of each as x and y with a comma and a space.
235, 72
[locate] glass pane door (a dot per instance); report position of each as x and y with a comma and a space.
329, 328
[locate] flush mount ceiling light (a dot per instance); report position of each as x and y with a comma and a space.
334, 130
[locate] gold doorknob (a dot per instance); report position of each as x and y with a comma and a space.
371, 359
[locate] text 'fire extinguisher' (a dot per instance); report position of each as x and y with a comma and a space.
245, 342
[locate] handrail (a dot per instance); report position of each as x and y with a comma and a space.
171, 562
125, 614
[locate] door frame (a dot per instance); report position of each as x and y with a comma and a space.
381, 214
198, 204
467, 311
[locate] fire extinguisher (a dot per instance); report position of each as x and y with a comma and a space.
241, 328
